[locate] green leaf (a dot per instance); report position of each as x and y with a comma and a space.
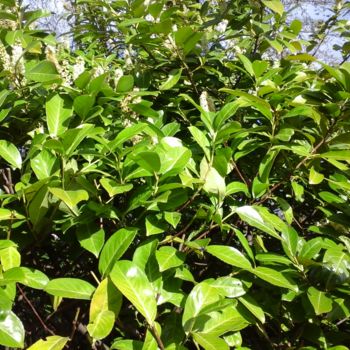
125, 83
250, 100
127, 134
287, 210
274, 277
11, 330
228, 286
252, 305
290, 240
200, 297
9, 258
148, 160
213, 181
73, 288
114, 248
113, 188
301, 57
43, 72
266, 165
73, 137
173, 156
311, 248
247, 64
133, 283
102, 325
225, 113
210, 342
259, 67
201, 140
6, 214
250, 215
44, 164
173, 218
235, 187
83, 105
229, 255
58, 113
50, 343
70, 198
230, 318
10, 153
172, 80
127, 344
337, 155
29, 277
169, 257
106, 297
274, 5
91, 238
320, 302
154, 225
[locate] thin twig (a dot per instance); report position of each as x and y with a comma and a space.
47, 329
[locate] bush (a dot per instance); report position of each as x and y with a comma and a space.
179, 179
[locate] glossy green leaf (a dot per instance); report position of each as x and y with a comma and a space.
9, 258
43, 72
201, 140
6, 214
10, 154
70, 198
134, 285
172, 80
106, 297
83, 105
114, 248
236, 187
127, 134
200, 297
11, 330
315, 177
228, 286
125, 83
229, 255
275, 6
148, 160
274, 277
169, 257
58, 113
44, 164
320, 302
50, 343
102, 325
91, 238
113, 188
73, 288
253, 306
27, 276
210, 342
250, 215
337, 155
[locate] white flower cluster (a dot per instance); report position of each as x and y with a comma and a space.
8, 24
17, 58
221, 27
78, 68
118, 73
5, 59
13, 63
206, 102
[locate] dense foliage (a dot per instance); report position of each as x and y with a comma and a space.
177, 177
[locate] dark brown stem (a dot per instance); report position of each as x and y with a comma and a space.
47, 329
